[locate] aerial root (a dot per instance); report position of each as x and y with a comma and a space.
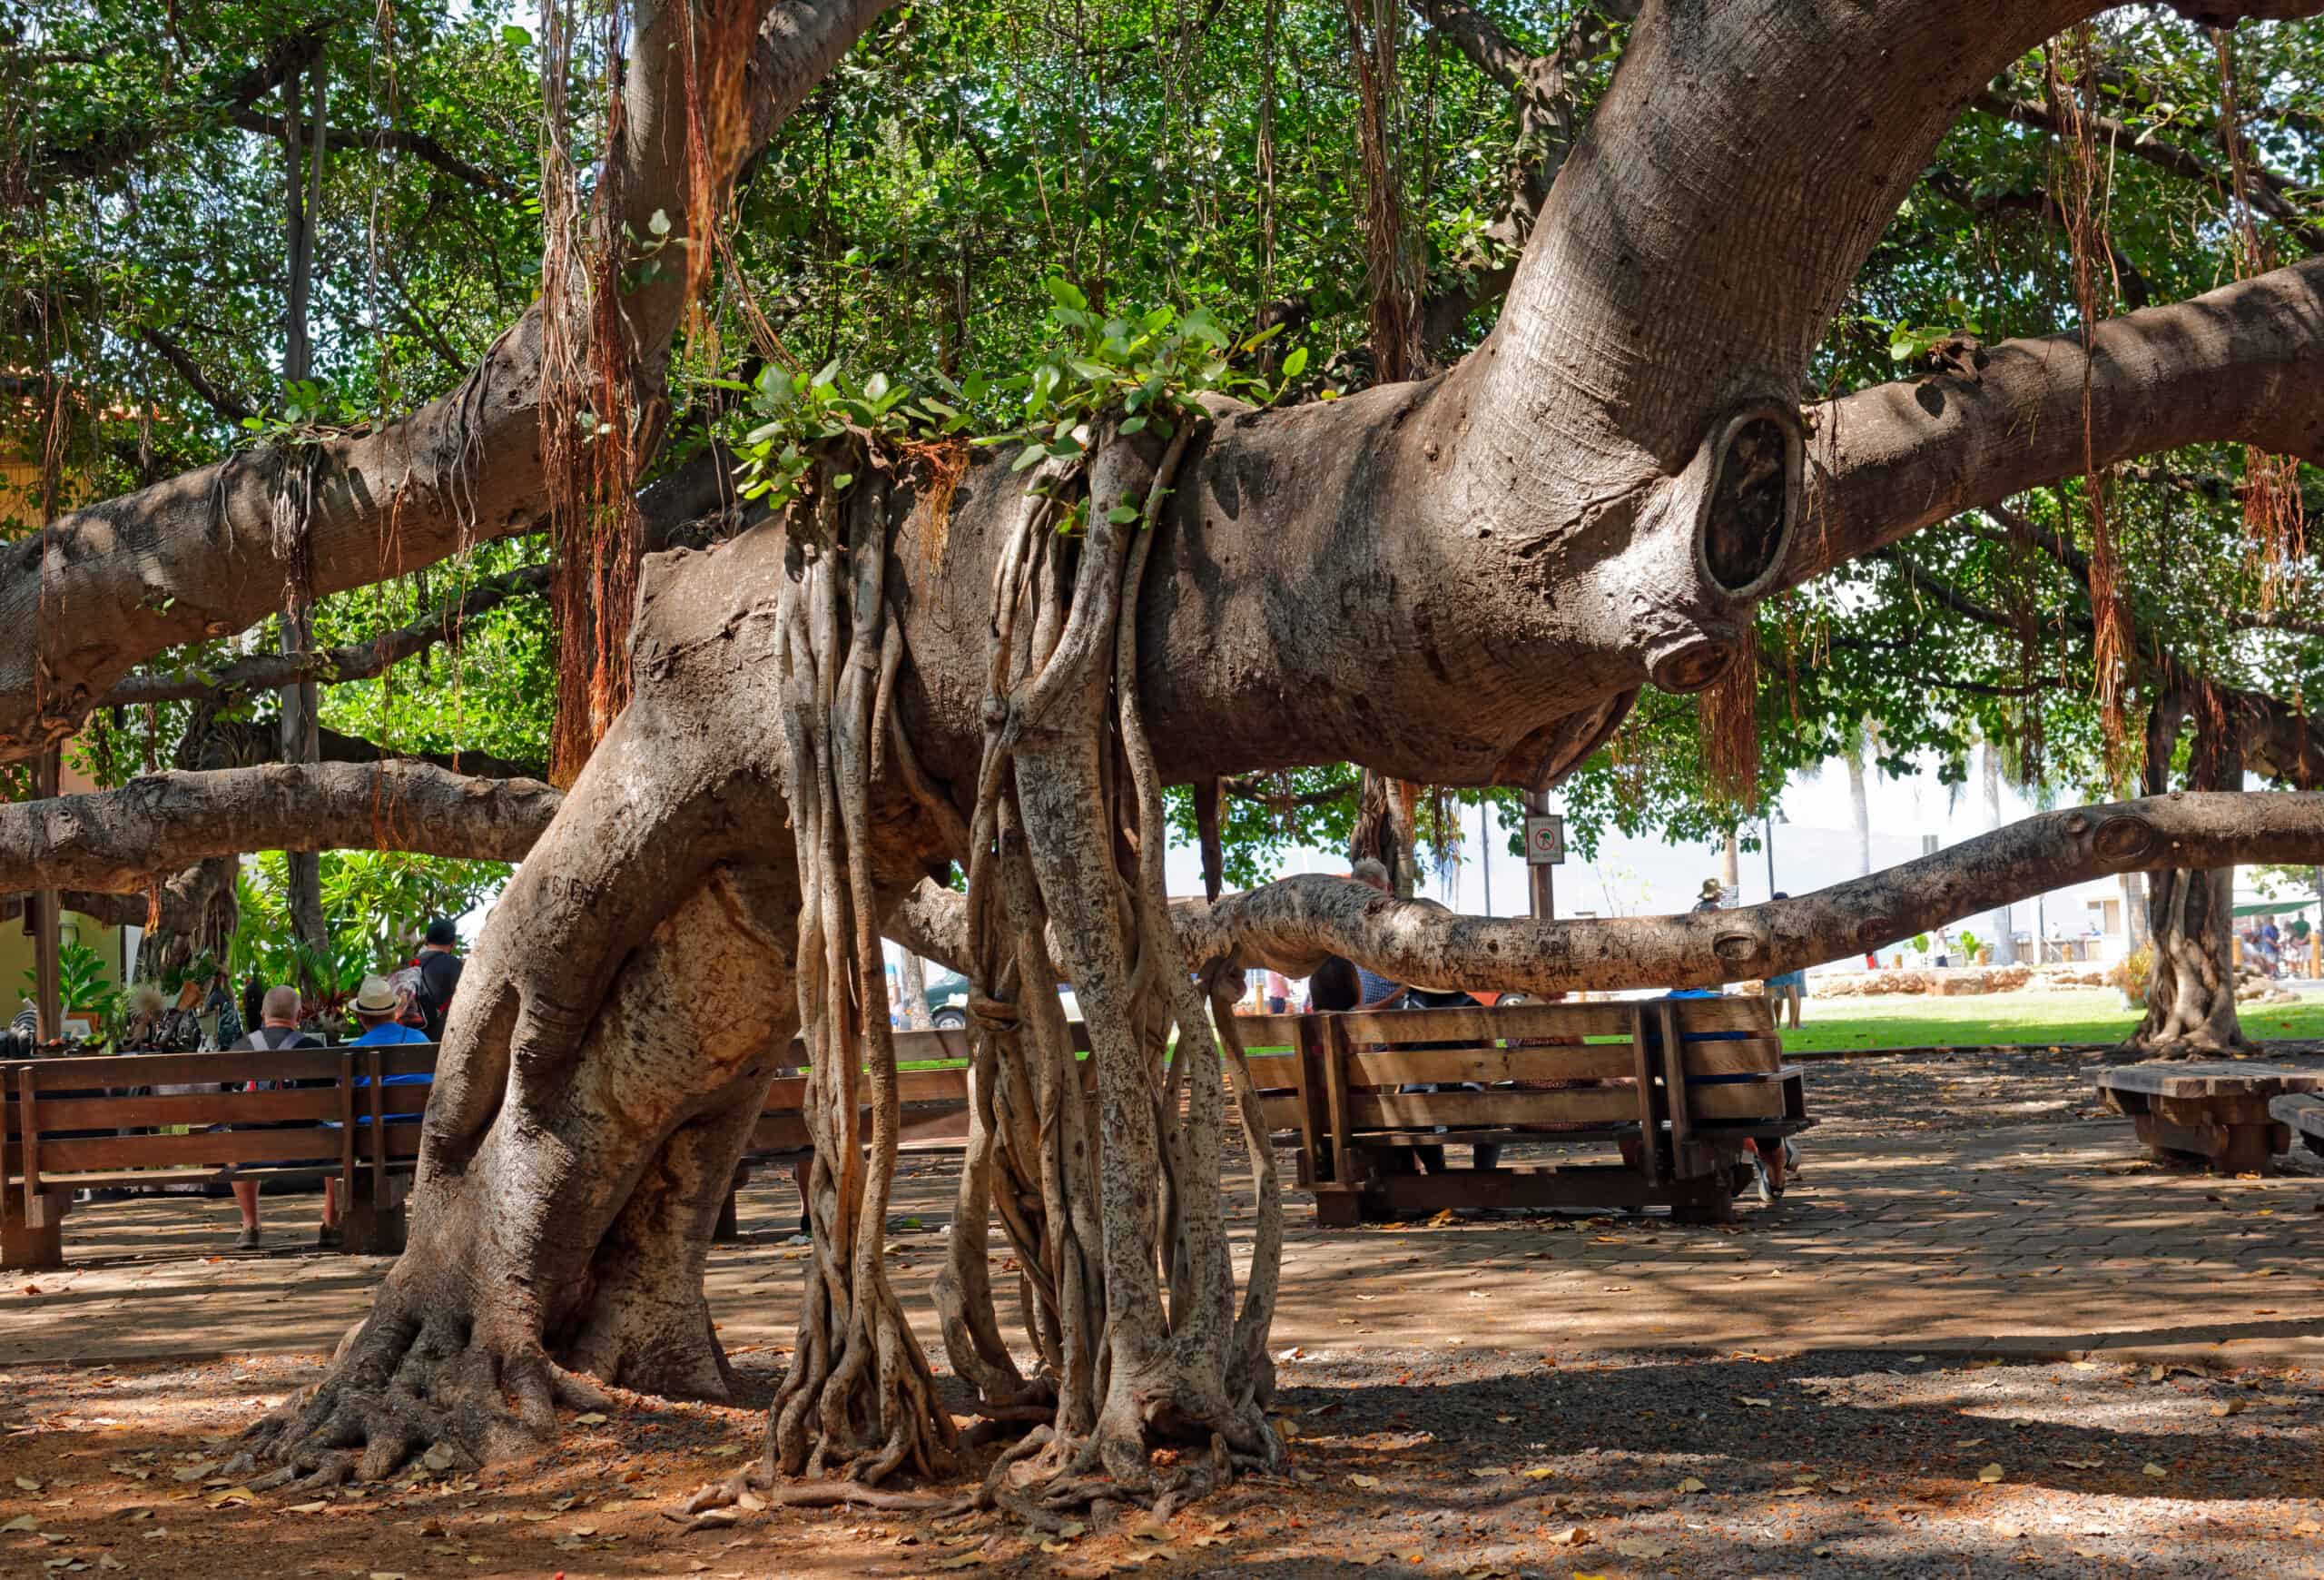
767, 1492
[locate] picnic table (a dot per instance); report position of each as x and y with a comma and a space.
2301, 1113
2216, 1110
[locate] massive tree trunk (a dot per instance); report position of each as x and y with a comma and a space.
2002, 920
2191, 984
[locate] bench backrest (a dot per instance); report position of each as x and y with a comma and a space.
1719, 1039
68, 1116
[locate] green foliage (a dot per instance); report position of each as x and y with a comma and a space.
798, 413
376, 904
81, 982
1149, 367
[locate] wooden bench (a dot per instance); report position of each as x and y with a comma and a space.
1327, 1087
2216, 1111
93, 1123
2301, 1114
1682, 1086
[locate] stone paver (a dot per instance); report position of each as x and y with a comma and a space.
2036, 1239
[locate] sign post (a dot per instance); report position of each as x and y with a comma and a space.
1545, 850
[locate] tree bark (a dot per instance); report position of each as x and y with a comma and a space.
2002, 920
116, 840
1293, 923
2191, 1010
1595, 500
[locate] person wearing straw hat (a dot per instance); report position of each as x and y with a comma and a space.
1713, 896
378, 1010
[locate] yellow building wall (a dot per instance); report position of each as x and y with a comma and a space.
20, 513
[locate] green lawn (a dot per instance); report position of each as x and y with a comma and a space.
2096, 1015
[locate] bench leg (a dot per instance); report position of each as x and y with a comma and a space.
37, 1244
1704, 1199
2226, 1149
369, 1226
729, 1228
1338, 1207
2251, 1148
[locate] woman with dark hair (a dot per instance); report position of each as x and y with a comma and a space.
1332, 986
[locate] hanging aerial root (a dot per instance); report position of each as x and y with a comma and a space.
858, 1402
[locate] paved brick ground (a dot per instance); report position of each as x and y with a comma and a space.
1971, 1203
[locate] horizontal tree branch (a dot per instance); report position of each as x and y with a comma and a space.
124, 139
1294, 923
2242, 363
2271, 194
331, 666
389, 140
115, 840
214, 395
2279, 620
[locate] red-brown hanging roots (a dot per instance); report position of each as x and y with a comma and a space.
717, 45
2086, 188
1727, 713
2273, 513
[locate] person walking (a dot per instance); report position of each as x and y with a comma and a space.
439, 976
1786, 990
1377, 992
278, 1029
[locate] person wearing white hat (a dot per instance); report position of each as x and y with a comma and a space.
378, 1010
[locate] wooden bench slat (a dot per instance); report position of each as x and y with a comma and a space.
121, 1071
2208, 1079
214, 1147
1587, 1061
120, 1113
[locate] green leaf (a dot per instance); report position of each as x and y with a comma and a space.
875, 386
660, 223
1029, 456
516, 38
840, 483
1296, 363
1121, 515
1065, 293
1134, 424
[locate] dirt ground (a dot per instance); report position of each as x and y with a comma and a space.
1486, 1397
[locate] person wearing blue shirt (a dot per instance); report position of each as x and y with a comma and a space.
378, 1010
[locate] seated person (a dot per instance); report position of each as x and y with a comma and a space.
379, 1010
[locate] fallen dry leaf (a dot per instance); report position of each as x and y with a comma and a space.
1990, 1473
1693, 1484
1363, 1481
2152, 1468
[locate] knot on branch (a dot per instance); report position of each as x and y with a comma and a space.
2126, 838
1735, 948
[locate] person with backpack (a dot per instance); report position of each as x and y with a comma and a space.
439, 975
278, 1029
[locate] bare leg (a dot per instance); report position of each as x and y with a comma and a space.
331, 1201
246, 1199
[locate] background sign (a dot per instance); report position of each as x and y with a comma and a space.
1544, 840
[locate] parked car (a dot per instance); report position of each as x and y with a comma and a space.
947, 1001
